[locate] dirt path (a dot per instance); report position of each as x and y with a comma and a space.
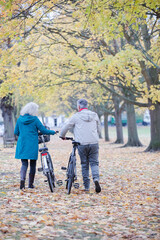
127, 207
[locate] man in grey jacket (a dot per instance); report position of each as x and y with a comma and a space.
86, 127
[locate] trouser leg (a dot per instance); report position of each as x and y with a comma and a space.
32, 173
23, 172
82, 150
24, 169
94, 162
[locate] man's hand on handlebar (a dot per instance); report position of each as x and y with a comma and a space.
63, 138
66, 138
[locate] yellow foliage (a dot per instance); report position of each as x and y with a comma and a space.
71, 53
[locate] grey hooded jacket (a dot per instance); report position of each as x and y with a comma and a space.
86, 127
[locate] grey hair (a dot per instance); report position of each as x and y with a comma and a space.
82, 103
30, 108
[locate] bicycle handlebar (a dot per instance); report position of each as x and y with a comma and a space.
67, 138
73, 141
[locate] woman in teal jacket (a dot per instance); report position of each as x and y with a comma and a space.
26, 129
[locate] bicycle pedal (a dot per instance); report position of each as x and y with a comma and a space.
40, 169
63, 168
76, 185
59, 182
45, 180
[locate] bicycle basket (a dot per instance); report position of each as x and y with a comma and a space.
46, 137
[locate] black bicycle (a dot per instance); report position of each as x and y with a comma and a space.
46, 162
71, 169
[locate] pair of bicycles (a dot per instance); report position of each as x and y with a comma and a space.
48, 169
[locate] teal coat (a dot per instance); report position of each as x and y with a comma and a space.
26, 129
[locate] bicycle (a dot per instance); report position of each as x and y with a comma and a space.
71, 169
46, 162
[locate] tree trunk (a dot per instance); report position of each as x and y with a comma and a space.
152, 79
155, 129
9, 121
106, 132
151, 76
133, 139
118, 120
154, 114
100, 135
43, 117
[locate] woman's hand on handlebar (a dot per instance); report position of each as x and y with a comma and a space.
57, 132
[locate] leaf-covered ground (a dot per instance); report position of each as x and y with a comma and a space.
127, 207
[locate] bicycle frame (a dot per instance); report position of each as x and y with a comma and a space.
44, 157
71, 169
72, 160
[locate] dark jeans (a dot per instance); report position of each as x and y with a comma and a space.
25, 167
89, 156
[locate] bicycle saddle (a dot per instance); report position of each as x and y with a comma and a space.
75, 143
43, 149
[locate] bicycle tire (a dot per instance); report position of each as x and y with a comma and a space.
70, 179
49, 178
53, 179
50, 165
69, 185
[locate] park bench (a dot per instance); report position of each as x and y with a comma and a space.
8, 142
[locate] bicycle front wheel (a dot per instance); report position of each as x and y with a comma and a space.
70, 179
69, 184
50, 182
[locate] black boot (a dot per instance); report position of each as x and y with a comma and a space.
97, 187
22, 184
31, 180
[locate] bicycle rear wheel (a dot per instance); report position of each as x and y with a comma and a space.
50, 182
50, 165
53, 179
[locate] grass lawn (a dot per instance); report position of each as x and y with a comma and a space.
143, 133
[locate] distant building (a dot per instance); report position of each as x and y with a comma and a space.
53, 121
146, 118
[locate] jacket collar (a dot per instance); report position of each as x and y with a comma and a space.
82, 109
